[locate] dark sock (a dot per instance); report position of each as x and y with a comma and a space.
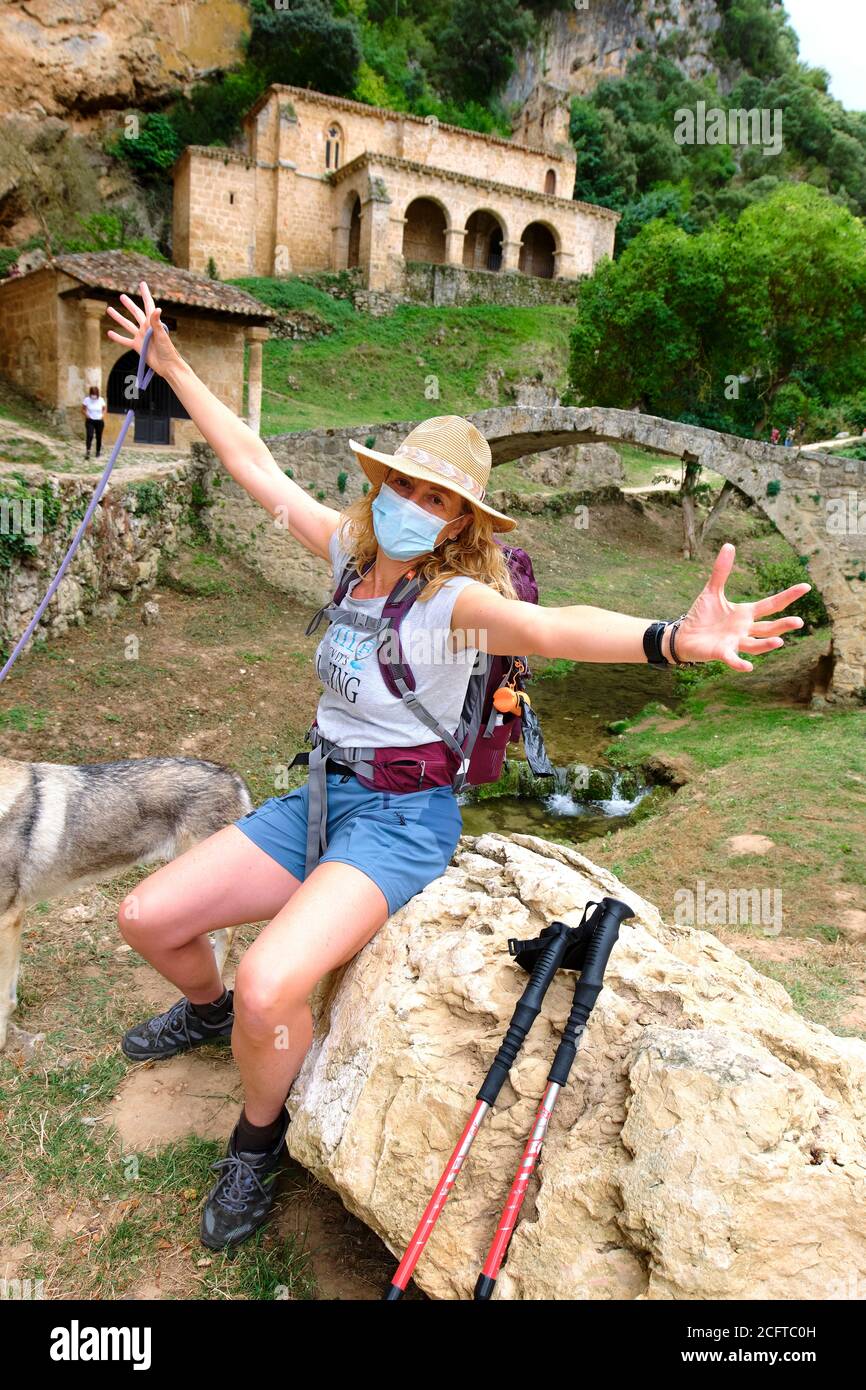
214, 1013
258, 1138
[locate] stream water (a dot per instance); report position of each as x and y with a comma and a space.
574, 711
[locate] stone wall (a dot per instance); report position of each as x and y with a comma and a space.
422, 283
214, 212
575, 465
322, 462
137, 525
28, 341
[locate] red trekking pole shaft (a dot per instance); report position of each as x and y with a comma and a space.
586, 991
525, 1014
514, 1201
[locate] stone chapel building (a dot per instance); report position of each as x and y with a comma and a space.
325, 183
54, 344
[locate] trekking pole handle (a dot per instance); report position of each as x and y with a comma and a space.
526, 1012
586, 991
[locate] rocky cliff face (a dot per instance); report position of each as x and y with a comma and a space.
75, 58
580, 46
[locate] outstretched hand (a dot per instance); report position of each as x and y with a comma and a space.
715, 629
161, 352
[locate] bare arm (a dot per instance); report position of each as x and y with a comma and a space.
251, 463
504, 627
241, 452
714, 629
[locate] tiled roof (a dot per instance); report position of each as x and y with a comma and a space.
121, 271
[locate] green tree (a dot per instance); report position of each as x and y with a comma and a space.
719, 327
475, 53
755, 34
211, 114
666, 202
645, 324
796, 294
304, 44
150, 147
606, 168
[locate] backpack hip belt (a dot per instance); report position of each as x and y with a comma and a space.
399, 770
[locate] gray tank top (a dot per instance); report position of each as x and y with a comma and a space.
356, 708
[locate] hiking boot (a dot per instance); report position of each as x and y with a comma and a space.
178, 1030
242, 1198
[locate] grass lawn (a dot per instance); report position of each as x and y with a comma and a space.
415, 362
761, 765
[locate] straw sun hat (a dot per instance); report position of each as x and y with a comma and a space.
445, 449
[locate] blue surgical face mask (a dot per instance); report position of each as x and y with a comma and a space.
403, 529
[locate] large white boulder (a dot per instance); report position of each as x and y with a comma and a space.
711, 1142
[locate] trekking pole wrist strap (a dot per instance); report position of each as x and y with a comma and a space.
526, 1012
589, 985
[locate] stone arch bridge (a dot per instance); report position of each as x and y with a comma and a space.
817, 501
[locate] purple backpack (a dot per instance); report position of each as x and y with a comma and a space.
475, 752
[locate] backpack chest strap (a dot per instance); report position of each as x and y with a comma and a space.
336, 613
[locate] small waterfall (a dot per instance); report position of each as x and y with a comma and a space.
560, 801
617, 805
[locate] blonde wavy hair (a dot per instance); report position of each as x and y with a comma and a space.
474, 551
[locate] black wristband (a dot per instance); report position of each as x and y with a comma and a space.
652, 644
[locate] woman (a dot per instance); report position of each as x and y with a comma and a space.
93, 410
425, 512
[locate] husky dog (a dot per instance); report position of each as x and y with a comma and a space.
63, 827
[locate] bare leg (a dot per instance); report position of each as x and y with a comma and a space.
224, 881
10, 949
328, 919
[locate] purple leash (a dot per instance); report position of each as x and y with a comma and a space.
141, 381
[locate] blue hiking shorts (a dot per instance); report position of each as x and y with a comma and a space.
401, 840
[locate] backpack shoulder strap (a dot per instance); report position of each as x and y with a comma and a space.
350, 572
392, 660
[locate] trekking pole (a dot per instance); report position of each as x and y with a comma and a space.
548, 952
605, 932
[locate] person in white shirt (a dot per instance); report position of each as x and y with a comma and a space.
93, 409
